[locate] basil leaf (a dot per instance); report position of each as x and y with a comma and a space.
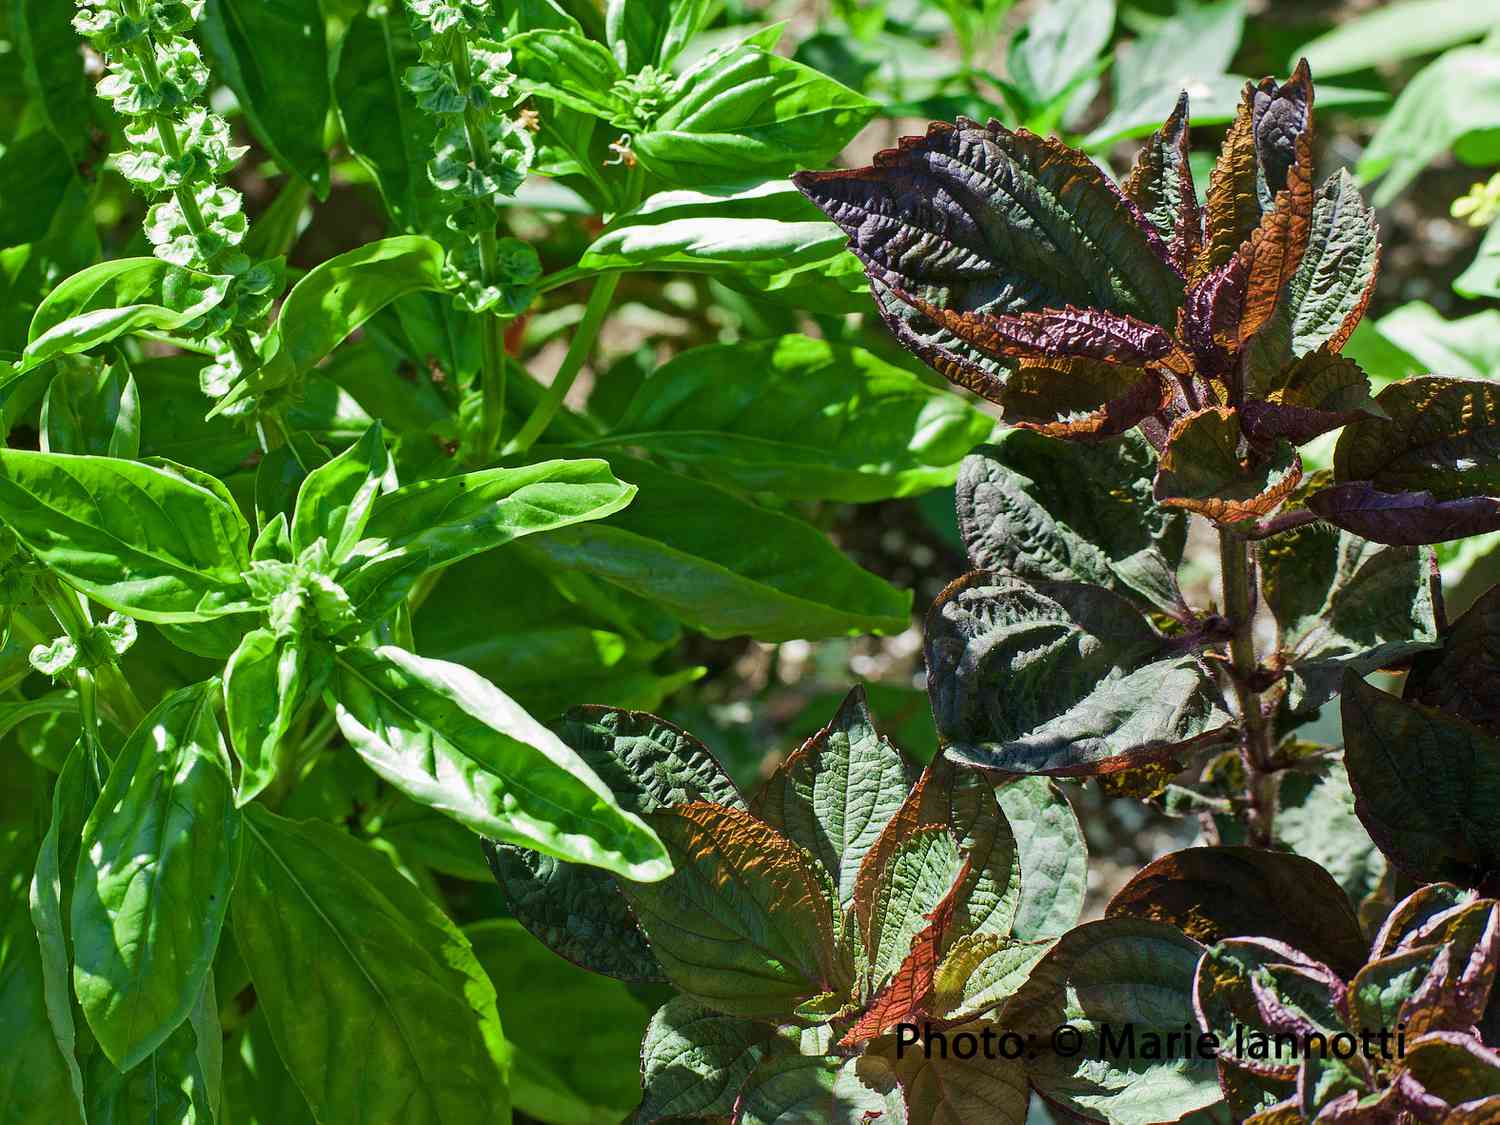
803, 418
158, 542
725, 566
111, 299
652, 32
318, 914
449, 739
155, 868
92, 410
266, 682
570, 69
274, 58
743, 112
335, 500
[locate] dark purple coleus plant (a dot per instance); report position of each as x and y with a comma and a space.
1018, 269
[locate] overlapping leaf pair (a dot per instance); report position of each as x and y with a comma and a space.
1411, 1009
801, 927
1016, 268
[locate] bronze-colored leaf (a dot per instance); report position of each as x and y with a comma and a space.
1317, 393
1161, 185
1207, 468
1233, 210
1080, 398
1275, 249
1061, 333
1463, 677
1218, 892
1438, 433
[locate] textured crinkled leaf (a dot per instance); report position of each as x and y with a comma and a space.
319, 914
1115, 971
921, 869
948, 1090
1054, 510
1281, 118
156, 865
695, 1060
108, 300
1308, 397
1218, 892
742, 925
1203, 470
804, 418
1080, 399
1404, 518
1440, 435
1057, 678
1447, 1072
1382, 988
980, 972
797, 1088
1461, 676
991, 894
1232, 209
1224, 997
980, 219
451, 740
726, 566
1408, 920
1053, 854
1161, 185
1326, 296
1426, 785
578, 912
835, 794
158, 542
1341, 601
1060, 333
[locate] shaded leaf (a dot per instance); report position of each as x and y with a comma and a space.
1058, 678
1404, 518
1219, 892
1460, 677
1089, 401
1306, 398
318, 914
1440, 435
1115, 971
1315, 818
1047, 509
92, 410
1053, 855
759, 951
1422, 784
694, 1060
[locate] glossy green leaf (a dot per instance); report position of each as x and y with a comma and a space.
1053, 854
836, 793
1343, 602
266, 682
318, 914
451, 740
336, 499
1053, 510
803, 418
1452, 99
112, 299
1440, 435
158, 542
767, 240
569, 68
744, 113
53, 69
725, 566
271, 53
37, 176
1424, 785
1058, 678
155, 869
694, 1060
576, 1036
1116, 971
178, 1082
338, 296
92, 410
38, 1086
760, 949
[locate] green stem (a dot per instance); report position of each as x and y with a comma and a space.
584, 337
1256, 747
113, 690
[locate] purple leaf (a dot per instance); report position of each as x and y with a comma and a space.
1404, 518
